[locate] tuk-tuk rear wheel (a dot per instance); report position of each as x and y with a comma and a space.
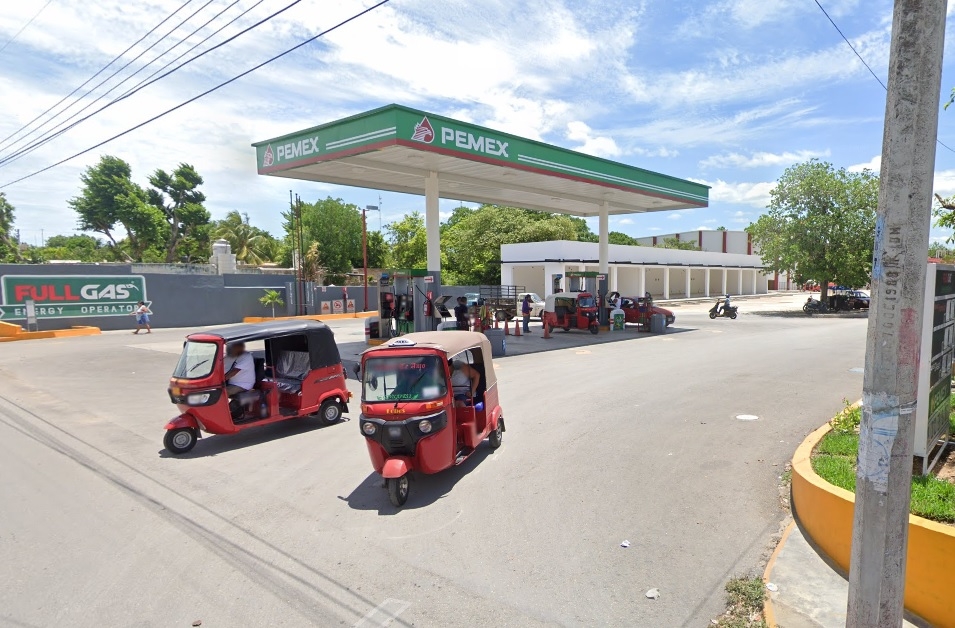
330, 412
398, 489
180, 441
495, 437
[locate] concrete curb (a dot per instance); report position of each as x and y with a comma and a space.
825, 513
768, 613
51, 333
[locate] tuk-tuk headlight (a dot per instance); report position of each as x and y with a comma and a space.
368, 428
197, 399
425, 426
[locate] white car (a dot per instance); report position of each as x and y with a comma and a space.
537, 304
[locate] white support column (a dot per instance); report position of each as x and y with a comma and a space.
706, 282
755, 279
666, 282
642, 281
432, 221
739, 281
604, 235
723, 291
612, 279
689, 274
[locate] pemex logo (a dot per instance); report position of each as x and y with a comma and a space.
268, 159
423, 131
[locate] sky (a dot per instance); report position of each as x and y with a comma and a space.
728, 93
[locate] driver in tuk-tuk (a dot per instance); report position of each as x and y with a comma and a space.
239, 370
463, 377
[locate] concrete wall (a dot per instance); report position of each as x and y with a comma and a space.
712, 240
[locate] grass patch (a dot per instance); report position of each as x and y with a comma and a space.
744, 603
834, 460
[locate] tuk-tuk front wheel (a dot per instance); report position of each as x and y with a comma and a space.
398, 489
181, 440
594, 329
330, 412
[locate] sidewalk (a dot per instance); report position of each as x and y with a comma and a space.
810, 593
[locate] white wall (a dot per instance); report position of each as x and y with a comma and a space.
531, 277
583, 253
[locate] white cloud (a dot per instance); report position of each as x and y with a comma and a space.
755, 194
945, 183
711, 221
873, 164
704, 228
601, 146
761, 159
674, 216
625, 221
654, 229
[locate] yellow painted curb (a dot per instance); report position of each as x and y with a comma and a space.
311, 317
769, 614
825, 514
51, 333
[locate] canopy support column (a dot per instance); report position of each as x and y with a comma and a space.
432, 222
604, 263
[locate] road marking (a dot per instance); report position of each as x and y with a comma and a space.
746, 417
582, 352
384, 613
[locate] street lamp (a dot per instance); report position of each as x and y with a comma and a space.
364, 245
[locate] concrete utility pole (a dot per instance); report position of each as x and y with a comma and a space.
883, 480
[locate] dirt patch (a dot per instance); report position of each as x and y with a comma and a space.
945, 468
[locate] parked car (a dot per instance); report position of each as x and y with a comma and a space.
537, 303
848, 299
637, 310
858, 300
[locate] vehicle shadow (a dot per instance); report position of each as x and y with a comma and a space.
801, 314
425, 489
214, 444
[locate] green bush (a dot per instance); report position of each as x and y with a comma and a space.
848, 420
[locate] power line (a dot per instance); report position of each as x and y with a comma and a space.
100, 71
24, 27
202, 94
59, 129
126, 65
867, 67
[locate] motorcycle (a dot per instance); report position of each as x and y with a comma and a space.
814, 307
728, 312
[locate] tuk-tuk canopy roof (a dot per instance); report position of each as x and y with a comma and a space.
449, 342
550, 299
248, 332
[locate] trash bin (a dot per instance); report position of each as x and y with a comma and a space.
372, 328
498, 343
618, 320
658, 324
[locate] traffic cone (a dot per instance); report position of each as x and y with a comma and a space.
546, 331
517, 327
507, 330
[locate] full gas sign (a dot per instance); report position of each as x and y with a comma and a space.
71, 296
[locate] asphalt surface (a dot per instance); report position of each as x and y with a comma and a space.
287, 525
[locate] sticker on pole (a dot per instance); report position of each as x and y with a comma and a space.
601, 277
429, 279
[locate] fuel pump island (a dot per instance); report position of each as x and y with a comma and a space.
400, 149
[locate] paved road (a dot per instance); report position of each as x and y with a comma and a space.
287, 526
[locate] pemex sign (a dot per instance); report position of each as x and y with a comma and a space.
70, 296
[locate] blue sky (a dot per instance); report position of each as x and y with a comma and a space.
729, 93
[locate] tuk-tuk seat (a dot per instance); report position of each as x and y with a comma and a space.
291, 367
561, 311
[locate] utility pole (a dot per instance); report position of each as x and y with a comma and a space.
364, 245
884, 476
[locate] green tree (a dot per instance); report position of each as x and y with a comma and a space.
673, 243
109, 200
820, 225
617, 237
83, 248
9, 247
409, 241
271, 298
250, 244
335, 226
378, 250
177, 195
721, 228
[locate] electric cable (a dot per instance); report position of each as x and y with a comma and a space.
202, 94
149, 81
867, 67
59, 129
24, 27
126, 65
100, 71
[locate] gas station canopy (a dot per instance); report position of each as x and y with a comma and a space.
399, 149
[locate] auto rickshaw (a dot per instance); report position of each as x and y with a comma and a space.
299, 374
571, 310
414, 417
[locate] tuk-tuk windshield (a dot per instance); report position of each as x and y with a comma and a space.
197, 360
404, 378
586, 302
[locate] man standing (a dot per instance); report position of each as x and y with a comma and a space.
240, 370
526, 313
461, 314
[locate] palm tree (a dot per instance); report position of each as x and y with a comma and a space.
272, 298
250, 244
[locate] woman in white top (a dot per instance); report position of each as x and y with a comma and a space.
142, 317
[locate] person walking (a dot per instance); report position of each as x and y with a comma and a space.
526, 313
142, 313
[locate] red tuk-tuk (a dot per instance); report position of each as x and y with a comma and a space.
299, 374
428, 400
571, 310
638, 310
